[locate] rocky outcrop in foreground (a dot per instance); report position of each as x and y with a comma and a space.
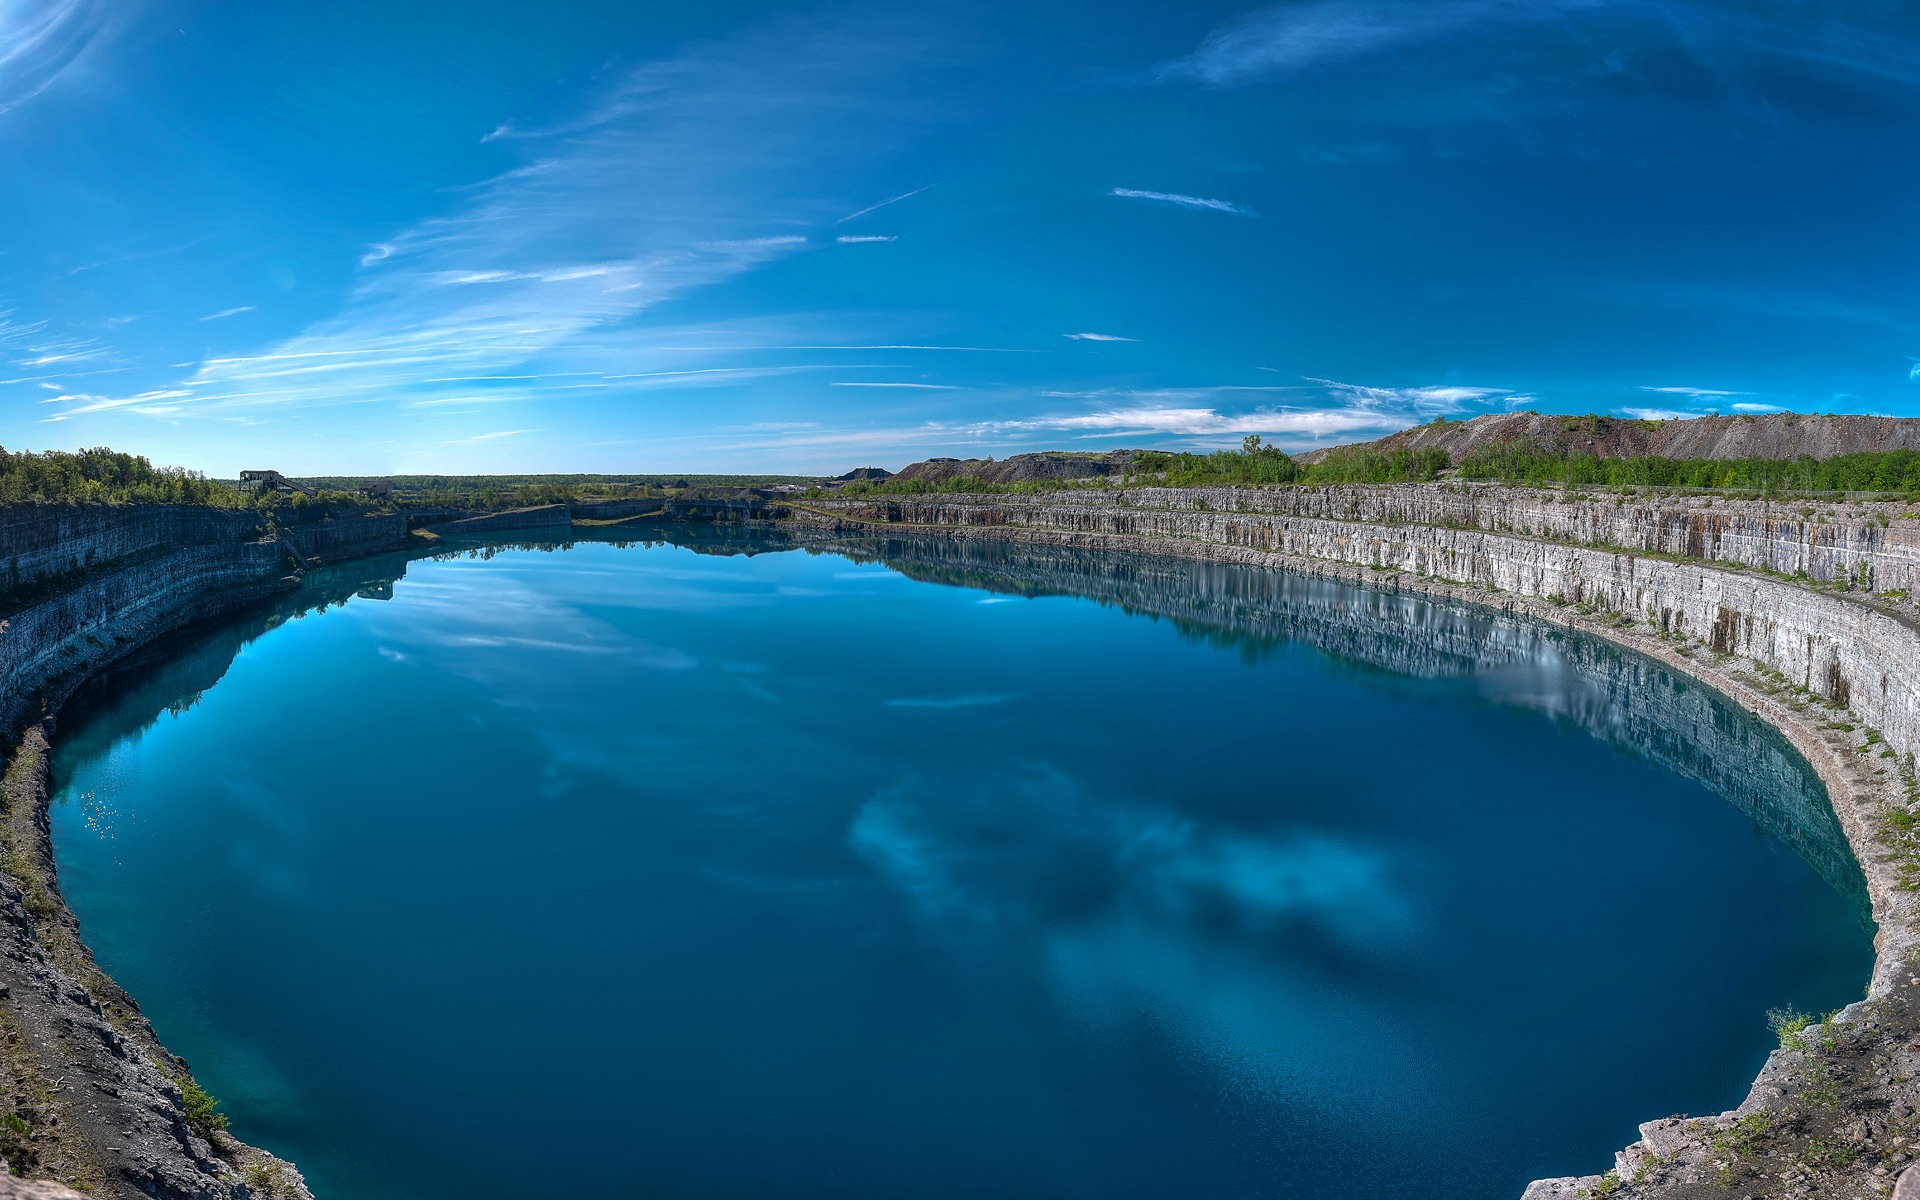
1803, 614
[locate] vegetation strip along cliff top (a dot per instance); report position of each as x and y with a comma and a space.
1518, 462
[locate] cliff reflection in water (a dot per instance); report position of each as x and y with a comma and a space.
1622, 698
174, 671
920, 895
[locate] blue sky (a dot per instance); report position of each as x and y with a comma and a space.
726, 235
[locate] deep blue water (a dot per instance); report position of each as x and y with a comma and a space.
633, 871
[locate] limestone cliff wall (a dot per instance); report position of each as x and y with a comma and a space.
1859, 651
1804, 618
60, 638
544, 516
1823, 540
347, 537
39, 542
87, 1091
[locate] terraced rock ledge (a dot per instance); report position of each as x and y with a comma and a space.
1802, 613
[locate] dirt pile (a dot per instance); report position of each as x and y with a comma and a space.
1775, 435
1041, 467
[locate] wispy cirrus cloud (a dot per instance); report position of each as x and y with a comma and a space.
925, 387
1291, 38
549, 264
1200, 203
1758, 409
495, 436
224, 313
34, 345
863, 239
39, 39
1098, 337
1695, 393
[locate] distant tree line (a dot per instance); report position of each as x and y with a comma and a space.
1257, 462
495, 492
1520, 462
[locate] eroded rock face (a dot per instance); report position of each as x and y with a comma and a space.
88, 1095
346, 537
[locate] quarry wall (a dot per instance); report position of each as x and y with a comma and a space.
1665, 564
1804, 617
1799, 611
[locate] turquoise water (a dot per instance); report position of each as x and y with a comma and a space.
663, 871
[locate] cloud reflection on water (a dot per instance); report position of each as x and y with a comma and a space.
1254, 953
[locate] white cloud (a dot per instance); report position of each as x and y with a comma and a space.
1659, 414
861, 239
1197, 421
224, 313
1748, 407
1344, 411
1431, 399
1174, 198
1694, 392
1098, 337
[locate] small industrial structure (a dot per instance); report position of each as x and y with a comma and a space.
377, 489
274, 481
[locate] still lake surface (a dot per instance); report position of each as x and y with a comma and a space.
632, 870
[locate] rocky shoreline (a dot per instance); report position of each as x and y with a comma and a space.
1801, 614
88, 1094
1776, 610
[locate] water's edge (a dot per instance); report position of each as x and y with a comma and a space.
1851, 1088
95, 1099
165, 1158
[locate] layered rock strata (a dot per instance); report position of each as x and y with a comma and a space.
88, 1094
